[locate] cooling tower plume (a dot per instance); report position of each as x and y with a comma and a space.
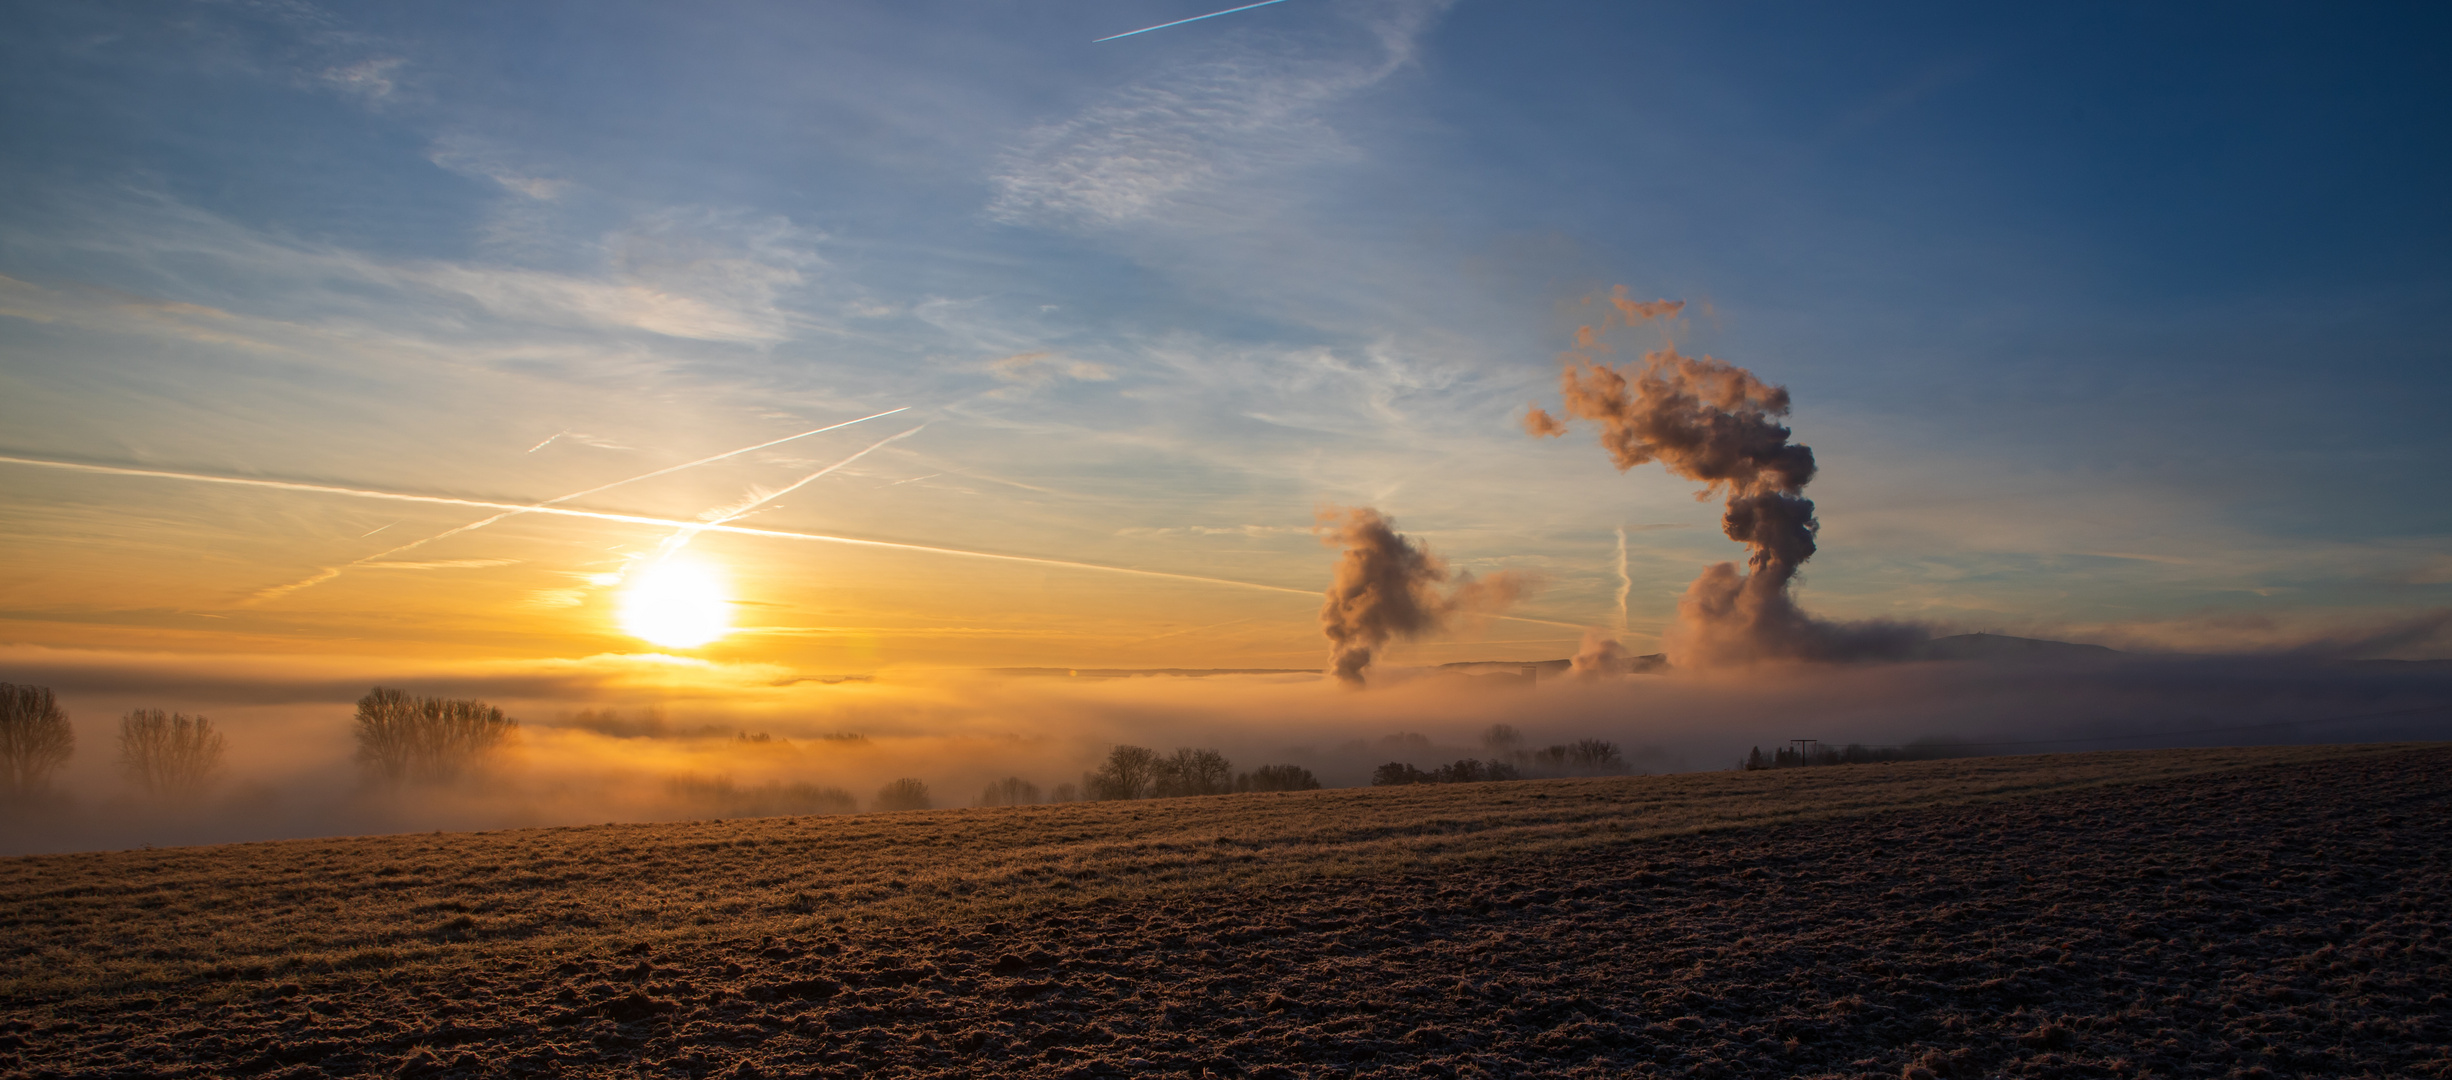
1706, 420
1389, 588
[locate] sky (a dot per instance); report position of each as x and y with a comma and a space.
2109, 323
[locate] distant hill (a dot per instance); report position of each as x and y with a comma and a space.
2004, 647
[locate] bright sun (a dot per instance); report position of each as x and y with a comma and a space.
676, 603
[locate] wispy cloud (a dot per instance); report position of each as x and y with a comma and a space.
1043, 366
372, 79
1160, 149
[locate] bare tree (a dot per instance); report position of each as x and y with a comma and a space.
171, 755
1191, 772
1597, 755
903, 794
1126, 774
401, 736
719, 796
1277, 778
35, 739
1010, 791
1501, 740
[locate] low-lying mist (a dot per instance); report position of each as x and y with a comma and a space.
651, 738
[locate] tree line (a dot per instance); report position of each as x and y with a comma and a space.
1791, 757
169, 755
1138, 772
1510, 759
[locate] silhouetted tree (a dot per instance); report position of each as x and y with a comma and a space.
1126, 774
718, 796
1598, 755
1464, 771
1064, 793
1397, 772
35, 739
1191, 772
1010, 791
1501, 740
1277, 778
170, 755
903, 794
401, 736
1754, 761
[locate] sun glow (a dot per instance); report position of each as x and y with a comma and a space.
678, 604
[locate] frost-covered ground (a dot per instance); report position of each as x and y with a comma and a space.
2170, 913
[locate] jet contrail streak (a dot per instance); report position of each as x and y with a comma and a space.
330, 572
623, 519
668, 523
1626, 582
681, 539
1193, 19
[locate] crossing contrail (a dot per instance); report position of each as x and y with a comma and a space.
667, 523
1195, 18
328, 573
681, 539
622, 519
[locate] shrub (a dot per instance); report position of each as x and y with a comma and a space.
1466, 771
1191, 772
1126, 774
170, 755
405, 737
903, 794
1397, 772
719, 797
1277, 778
35, 739
1469, 771
1010, 791
1501, 740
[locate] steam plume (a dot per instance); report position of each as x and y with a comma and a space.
1387, 587
1711, 421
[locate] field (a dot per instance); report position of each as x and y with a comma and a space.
2275, 911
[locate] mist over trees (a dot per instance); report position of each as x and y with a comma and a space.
405, 737
1582, 757
719, 796
1126, 774
1191, 772
1138, 772
1464, 771
904, 794
171, 755
1010, 791
35, 739
1813, 753
1278, 778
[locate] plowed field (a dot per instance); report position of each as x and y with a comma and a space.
2174, 913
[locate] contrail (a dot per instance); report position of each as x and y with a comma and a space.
624, 519
668, 523
1626, 582
1193, 19
681, 539
330, 572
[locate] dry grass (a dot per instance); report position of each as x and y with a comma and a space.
117, 923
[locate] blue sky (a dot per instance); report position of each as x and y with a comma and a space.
2114, 322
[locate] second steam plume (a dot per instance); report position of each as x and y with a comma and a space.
1711, 421
1389, 588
